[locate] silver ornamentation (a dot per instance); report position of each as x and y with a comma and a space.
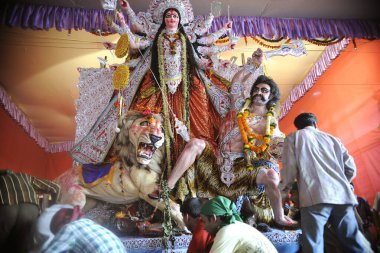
157, 8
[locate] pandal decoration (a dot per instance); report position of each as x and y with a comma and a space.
222, 41
122, 46
265, 42
120, 79
252, 149
326, 42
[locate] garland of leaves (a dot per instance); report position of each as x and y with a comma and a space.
327, 42
167, 225
104, 34
169, 136
165, 106
185, 84
272, 40
262, 43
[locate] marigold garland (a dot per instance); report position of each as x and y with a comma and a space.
122, 46
261, 43
222, 41
252, 149
327, 42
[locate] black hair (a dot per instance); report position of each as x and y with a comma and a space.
192, 207
305, 119
274, 90
190, 54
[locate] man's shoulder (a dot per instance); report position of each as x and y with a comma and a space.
82, 223
327, 135
238, 226
290, 137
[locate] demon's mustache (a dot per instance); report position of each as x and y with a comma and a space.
259, 95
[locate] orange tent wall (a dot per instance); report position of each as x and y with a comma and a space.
346, 101
19, 152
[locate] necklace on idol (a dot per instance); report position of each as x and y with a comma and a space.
254, 144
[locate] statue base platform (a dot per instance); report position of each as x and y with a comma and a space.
284, 241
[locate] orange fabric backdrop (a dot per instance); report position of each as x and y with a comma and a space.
346, 100
20, 152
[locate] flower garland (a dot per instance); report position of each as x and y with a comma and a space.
169, 136
252, 150
222, 41
325, 43
168, 130
261, 43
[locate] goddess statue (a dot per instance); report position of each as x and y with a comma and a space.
171, 54
171, 58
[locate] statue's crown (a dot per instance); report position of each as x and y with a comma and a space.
158, 7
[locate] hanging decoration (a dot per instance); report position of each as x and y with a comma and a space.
254, 144
120, 79
122, 46
104, 34
269, 43
326, 42
222, 41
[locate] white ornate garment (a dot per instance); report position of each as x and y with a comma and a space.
172, 49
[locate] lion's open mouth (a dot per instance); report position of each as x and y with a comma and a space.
145, 150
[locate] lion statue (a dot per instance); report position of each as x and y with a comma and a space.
131, 169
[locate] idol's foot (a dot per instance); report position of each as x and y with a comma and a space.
286, 223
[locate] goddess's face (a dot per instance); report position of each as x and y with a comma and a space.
171, 19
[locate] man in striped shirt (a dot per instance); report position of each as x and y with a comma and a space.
73, 233
19, 208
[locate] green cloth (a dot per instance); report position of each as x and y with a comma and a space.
221, 206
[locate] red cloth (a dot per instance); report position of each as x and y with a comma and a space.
201, 241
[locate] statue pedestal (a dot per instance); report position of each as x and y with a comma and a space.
284, 241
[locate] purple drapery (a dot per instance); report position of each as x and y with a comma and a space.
47, 17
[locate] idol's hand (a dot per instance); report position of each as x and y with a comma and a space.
113, 67
120, 16
228, 25
108, 45
124, 4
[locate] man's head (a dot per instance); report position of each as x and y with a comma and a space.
304, 120
191, 210
265, 91
218, 212
64, 216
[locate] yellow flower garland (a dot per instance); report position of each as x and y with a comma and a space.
251, 149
